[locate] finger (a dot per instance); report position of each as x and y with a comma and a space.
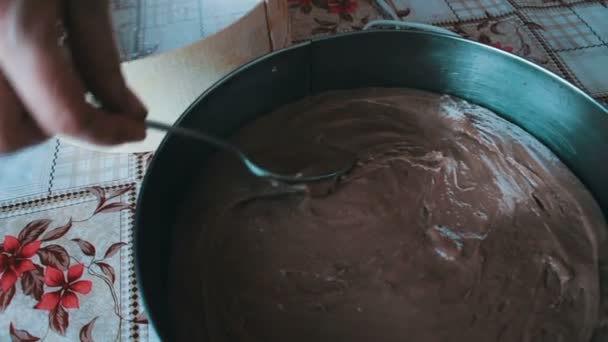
17, 129
96, 56
47, 83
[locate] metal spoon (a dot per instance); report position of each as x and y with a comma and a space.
341, 164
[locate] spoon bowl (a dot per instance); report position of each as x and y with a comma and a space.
330, 166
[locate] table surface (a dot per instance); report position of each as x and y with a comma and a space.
74, 208
147, 27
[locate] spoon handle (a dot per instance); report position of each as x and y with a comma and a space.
194, 134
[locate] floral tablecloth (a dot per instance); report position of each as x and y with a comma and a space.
66, 213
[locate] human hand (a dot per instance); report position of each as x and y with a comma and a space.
43, 82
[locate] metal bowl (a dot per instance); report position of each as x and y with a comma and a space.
560, 115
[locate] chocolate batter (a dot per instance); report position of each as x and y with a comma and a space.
454, 226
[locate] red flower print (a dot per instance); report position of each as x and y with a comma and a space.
66, 295
343, 6
499, 45
15, 260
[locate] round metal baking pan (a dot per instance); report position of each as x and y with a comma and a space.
564, 118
